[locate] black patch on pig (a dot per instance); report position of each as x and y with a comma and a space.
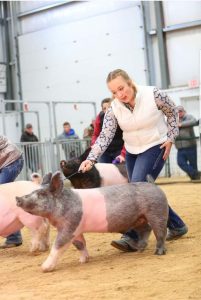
79, 245
127, 204
87, 180
122, 169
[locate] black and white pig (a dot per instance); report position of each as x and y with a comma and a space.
101, 174
142, 206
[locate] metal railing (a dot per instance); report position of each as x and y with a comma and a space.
44, 157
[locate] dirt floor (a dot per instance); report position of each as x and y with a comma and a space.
111, 274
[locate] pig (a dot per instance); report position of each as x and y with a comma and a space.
101, 174
142, 206
13, 218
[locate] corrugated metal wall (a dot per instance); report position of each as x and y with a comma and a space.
69, 61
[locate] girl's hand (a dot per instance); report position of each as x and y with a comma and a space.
86, 165
167, 145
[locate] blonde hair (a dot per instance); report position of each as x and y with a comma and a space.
118, 72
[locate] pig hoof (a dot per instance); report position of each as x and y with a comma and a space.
84, 259
160, 252
46, 268
44, 248
41, 248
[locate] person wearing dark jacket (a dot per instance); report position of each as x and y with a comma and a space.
30, 151
116, 148
186, 145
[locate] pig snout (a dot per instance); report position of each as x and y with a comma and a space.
25, 204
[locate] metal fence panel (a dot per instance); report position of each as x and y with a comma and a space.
44, 157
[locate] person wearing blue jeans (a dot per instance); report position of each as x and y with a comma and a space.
187, 161
11, 164
148, 119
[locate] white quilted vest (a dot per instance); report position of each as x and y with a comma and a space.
146, 126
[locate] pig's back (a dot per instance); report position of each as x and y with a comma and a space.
142, 194
104, 207
125, 203
110, 174
17, 188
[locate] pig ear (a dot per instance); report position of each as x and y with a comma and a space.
47, 178
63, 163
56, 184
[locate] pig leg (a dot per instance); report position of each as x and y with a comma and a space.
40, 237
62, 243
55, 253
143, 233
80, 244
160, 231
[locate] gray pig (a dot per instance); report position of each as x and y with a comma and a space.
141, 206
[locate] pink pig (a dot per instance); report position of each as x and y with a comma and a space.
13, 218
116, 208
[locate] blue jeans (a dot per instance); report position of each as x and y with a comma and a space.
138, 167
8, 174
108, 157
187, 161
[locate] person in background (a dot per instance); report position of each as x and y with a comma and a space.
31, 151
11, 164
141, 113
186, 145
115, 150
68, 132
88, 131
71, 150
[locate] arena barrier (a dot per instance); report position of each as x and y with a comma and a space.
44, 157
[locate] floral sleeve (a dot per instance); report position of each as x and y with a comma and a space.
106, 135
168, 107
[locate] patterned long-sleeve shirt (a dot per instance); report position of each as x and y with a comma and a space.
163, 103
8, 152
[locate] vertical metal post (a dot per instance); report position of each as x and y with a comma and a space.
95, 110
50, 118
165, 80
6, 51
13, 49
54, 118
38, 123
148, 42
3, 116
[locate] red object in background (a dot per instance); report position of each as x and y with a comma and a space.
193, 83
